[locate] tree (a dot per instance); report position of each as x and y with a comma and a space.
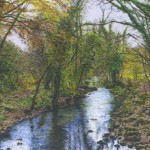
8, 67
105, 49
10, 15
139, 14
51, 44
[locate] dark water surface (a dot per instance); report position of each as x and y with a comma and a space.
76, 128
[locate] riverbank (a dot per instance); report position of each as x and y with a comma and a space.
131, 116
14, 108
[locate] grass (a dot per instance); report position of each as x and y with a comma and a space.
12, 106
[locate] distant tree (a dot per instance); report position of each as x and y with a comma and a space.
139, 15
8, 67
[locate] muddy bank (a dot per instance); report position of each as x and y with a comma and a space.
131, 117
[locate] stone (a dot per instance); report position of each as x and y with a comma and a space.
117, 146
106, 139
101, 142
19, 143
110, 129
120, 138
106, 135
90, 131
130, 146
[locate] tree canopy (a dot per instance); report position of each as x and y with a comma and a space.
63, 52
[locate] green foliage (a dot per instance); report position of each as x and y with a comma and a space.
8, 67
104, 53
139, 21
2, 119
63, 53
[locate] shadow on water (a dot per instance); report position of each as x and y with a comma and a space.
82, 127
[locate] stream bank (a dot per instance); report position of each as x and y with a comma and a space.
84, 126
131, 116
14, 108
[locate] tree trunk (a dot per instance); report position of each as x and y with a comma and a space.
57, 79
8, 32
114, 77
37, 90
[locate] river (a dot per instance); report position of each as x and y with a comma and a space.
82, 127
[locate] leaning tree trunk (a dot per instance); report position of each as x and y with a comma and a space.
37, 90
36, 93
9, 30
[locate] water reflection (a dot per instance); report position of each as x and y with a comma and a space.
78, 128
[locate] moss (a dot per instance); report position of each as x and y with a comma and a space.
43, 103
139, 102
9, 108
3, 118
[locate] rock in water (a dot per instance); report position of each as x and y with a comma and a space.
90, 131
100, 142
19, 143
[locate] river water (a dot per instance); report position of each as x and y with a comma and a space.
81, 127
